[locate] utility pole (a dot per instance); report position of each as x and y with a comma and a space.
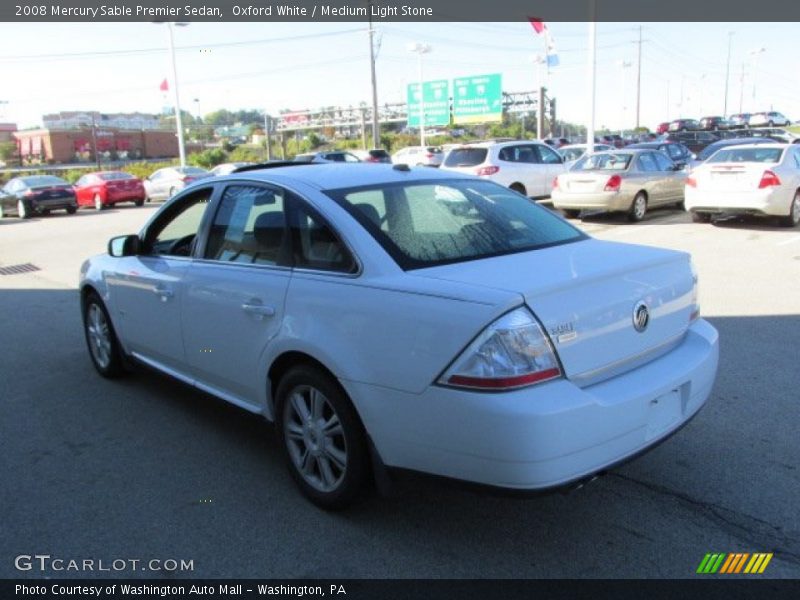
592, 66
375, 120
94, 142
267, 136
639, 79
727, 76
741, 89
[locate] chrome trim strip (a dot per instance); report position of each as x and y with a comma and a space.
594, 376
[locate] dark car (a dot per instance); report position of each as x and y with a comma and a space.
38, 194
714, 123
684, 125
613, 140
680, 154
376, 155
694, 140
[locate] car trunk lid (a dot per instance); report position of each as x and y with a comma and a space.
586, 294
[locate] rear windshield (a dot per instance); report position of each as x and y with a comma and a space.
379, 154
116, 175
41, 180
570, 154
605, 161
306, 158
761, 155
465, 157
191, 170
426, 224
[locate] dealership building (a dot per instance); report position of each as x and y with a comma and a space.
76, 137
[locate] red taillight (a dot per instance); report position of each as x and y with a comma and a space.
484, 171
499, 383
768, 179
691, 182
555, 183
29, 194
613, 183
372, 159
429, 155
187, 179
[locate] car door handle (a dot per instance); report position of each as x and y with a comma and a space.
258, 310
163, 293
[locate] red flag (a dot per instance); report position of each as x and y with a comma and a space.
537, 24
164, 86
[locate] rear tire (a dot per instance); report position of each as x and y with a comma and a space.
22, 210
571, 213
98, 202
322, 437
698, 217
793, 218
518, 187
71, 210
2, 212
101, 339
638, 208
139, 202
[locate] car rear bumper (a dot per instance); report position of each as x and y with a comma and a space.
52, 203
543, 436
771, 201
591, 201
124, 196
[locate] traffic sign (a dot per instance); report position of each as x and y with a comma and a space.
478, 99
436, 103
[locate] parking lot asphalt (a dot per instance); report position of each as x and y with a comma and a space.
147, 468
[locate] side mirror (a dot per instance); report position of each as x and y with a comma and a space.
124, 245
694, 156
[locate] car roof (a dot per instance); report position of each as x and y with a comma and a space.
326, 176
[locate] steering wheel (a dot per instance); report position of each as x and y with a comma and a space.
181, 246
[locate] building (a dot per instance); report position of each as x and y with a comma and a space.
83, 119
39, 146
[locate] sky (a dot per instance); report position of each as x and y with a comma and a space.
118, 67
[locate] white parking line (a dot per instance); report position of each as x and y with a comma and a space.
789, 241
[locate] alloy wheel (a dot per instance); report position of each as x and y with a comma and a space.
99, 335
315, 438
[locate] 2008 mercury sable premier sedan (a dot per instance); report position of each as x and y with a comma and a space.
387, 316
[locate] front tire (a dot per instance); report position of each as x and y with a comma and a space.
698, 217
571, 213
322, 437
638, 208
793, 218
101, 339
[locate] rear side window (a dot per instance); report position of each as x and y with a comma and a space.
425, 224
604, 161
315, 245
647, 163
465, 157
520, 154
249, 227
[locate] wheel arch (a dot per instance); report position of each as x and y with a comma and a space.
519, 187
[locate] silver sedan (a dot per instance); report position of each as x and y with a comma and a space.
630, 181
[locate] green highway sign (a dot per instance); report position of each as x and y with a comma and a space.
478, 99
436, 103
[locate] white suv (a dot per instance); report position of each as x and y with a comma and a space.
528, 167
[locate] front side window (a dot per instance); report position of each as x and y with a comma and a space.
548, 156
605, 161
249, 226
175, 230
426, 224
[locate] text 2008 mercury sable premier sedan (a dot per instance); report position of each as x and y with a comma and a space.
383, 316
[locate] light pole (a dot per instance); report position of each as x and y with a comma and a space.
727, 76
539, 60
755, 54
175, 95
420, 49
591, 68
375, 119
624, 65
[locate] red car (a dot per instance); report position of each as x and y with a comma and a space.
106, 188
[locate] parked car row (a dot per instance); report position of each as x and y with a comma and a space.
715, 123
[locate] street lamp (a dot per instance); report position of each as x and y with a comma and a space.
539, 60
175, 95
755, 54
727, 75
421, 49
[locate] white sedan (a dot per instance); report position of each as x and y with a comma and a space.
752, 179
393, 318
